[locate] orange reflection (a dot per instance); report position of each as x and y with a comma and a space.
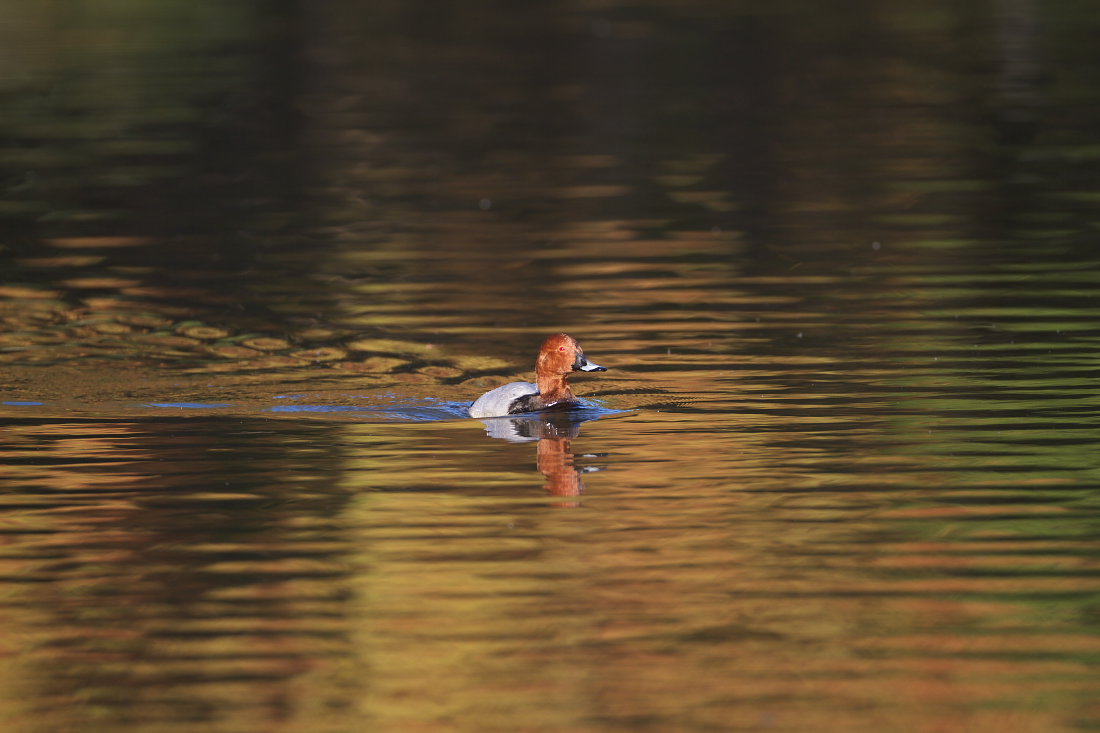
555, 462
554, 432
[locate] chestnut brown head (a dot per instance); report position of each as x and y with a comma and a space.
561, 354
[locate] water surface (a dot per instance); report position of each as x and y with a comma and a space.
842, 474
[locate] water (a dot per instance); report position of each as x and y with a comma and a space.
257, 258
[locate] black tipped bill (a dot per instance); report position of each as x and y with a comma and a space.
583, 365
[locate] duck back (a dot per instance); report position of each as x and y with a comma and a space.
499, 401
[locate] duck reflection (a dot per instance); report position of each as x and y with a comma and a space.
554, 430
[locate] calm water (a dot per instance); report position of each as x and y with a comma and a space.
844, 268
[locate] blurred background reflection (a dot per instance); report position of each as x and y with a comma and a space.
258, 256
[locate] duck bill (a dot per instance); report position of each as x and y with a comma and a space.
587, 366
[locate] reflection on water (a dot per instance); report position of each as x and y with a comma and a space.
554, 432
818, 564
259, 258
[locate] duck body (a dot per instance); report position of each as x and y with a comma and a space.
509, 399
559, 356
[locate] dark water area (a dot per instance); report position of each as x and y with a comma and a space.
257, 258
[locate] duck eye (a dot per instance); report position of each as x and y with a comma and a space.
561, 348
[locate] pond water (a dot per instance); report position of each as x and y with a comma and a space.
843, 267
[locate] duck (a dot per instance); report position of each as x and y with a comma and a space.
559, 356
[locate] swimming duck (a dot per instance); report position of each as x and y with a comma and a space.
559, 355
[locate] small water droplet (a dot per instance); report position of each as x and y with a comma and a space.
485, 204
876, 246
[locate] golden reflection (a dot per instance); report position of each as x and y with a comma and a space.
106, 242
136, 580
859, 485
